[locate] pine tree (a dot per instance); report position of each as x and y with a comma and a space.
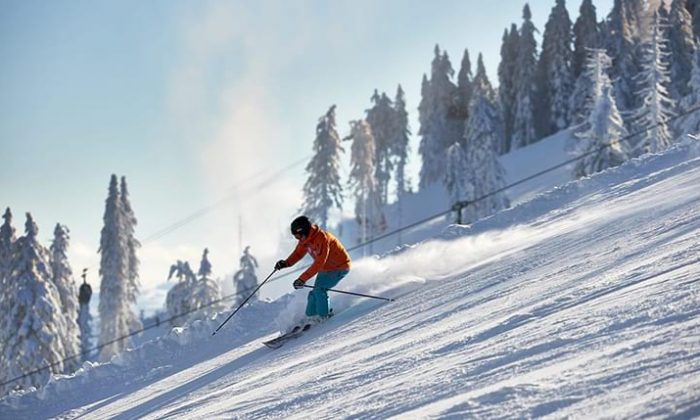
482, 84
401, 149
368, 210
588, 85
115, 307
7, 240
322, 190
586, 36
483, 135
524, 118
207, 292
693, 7
554, 77
204, 264
690, 124
580, 100
657, 106
7, 244
507, 69
382, 121
439, 128
65, 285
192, 298
245, 280
464, 90
132, 244
33, 328
681, 47
426, 121
600, 141
622, 42
178, 301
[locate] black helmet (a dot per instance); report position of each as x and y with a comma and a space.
301, 225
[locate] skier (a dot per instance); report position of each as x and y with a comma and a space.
331, 263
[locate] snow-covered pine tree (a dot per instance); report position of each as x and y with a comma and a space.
600, 141
68, 293
482, 136
401, 149
526, 64
693, 7
440, 129
483, 85
426, 121
681, 47
464, 90
7, 243
554, 75
192, 298
588, 87
132, 245
7, 240
400, 146
507, 69
322, 190
33, 328
657, 106
690, 124
368, 209
622, 42
204, 264
245, 280
382, 121
580, 100
586, 36
178, 301
115, 307
457, 179
206, 292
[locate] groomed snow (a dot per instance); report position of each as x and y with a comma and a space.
583, 302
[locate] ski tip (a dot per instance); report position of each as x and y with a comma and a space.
272, 346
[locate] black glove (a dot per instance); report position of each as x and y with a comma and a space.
280, 264
298, 284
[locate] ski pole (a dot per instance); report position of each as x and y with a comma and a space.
244, 302
352, 293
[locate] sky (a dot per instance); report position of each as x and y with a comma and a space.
208, 108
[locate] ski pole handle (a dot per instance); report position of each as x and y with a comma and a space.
352, 293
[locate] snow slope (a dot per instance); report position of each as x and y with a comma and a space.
583, 302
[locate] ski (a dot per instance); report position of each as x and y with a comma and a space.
277, 342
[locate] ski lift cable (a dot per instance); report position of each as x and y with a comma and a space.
235, 193
209, 208
412, 225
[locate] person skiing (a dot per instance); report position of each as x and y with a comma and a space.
331, 264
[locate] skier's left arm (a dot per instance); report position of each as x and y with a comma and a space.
319, 261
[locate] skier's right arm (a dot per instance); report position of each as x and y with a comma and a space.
295, 256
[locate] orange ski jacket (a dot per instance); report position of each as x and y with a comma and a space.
326, 250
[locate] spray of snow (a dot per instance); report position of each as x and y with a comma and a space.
437, 259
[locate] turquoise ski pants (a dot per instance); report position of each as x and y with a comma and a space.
318, 297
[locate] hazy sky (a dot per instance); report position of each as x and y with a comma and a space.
199, 102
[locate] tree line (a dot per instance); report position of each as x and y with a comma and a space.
602, 79
45, 318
